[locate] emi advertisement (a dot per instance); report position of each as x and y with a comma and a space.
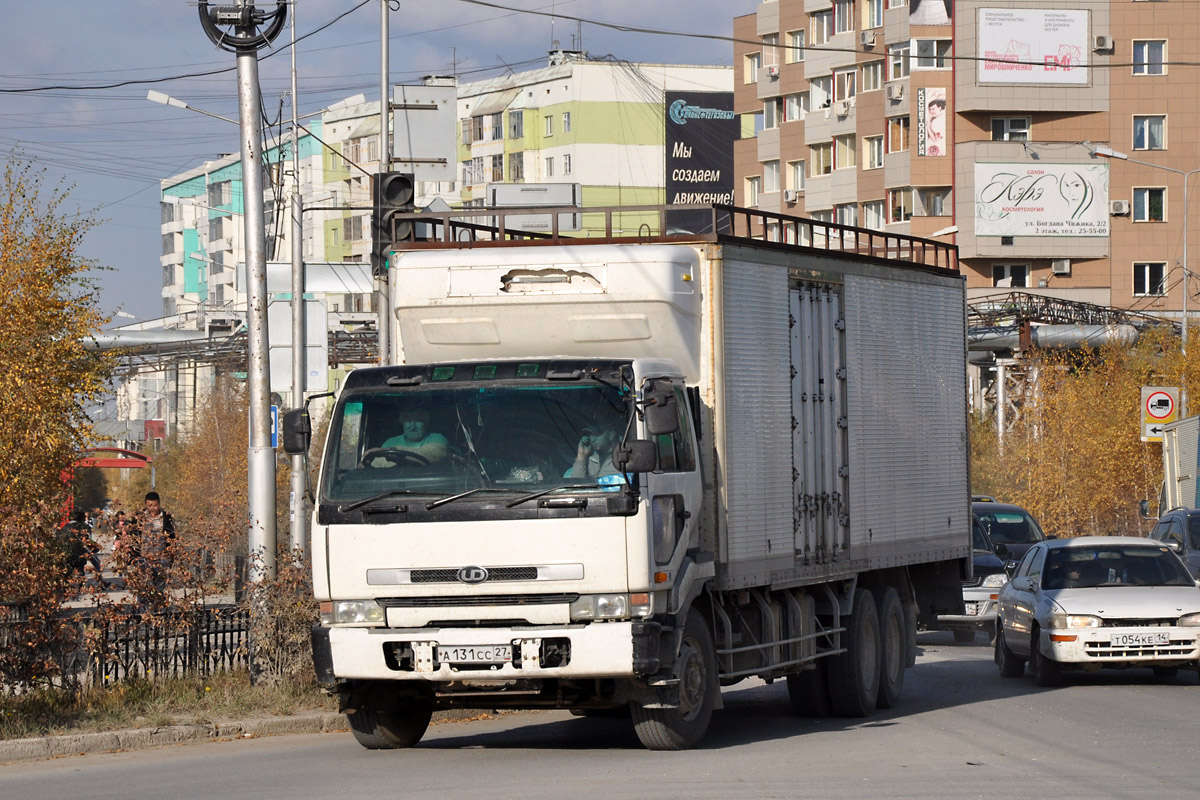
701, 129
1039, 46
1041, 199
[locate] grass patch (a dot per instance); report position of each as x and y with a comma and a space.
140, 703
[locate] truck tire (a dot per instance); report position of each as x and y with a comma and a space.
1046, 671
854, 674
1011, 665
808, 691
892, 651
382, 724
682, 727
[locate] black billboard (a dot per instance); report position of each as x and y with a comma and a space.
701, 129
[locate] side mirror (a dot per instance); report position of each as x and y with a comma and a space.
1001, 549
1024, 584
1010, 569
1174, 546
636, 455
662, 414
297, 432
1144, 509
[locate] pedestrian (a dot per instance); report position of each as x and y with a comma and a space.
155, 537
79, 550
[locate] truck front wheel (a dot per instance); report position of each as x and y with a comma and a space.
696, 669
391, 723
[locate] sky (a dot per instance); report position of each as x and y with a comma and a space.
112, 147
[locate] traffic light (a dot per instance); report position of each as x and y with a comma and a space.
392, 193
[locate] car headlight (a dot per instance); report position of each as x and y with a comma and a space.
1074, 621
995, 581
611, 606
1190, 620
341, 612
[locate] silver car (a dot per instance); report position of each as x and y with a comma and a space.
1096, 602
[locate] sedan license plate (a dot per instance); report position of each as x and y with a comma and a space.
972, 609
475, 654
1148, 639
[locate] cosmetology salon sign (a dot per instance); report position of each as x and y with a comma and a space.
1027, 45
701, 128
1038, 199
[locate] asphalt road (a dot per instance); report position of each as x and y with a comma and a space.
960, 731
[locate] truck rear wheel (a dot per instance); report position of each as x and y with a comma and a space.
854, 674
893, 639
680, 728
808, 691
382, 723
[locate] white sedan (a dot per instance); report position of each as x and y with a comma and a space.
1098, 601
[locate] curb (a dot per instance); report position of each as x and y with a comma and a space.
75, 744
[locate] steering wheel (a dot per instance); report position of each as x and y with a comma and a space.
393, 454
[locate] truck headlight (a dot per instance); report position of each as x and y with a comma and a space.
341, 612
611, 606
1190, 620
664, 520
1060, 621
995, 581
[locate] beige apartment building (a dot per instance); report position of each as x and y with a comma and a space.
1048, 140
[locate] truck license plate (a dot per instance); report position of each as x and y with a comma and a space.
475, 654
1148, 639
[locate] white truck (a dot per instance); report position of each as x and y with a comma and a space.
1181, 465
614, 476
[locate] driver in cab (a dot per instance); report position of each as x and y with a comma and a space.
415, 438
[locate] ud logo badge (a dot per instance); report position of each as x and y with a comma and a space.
472, 574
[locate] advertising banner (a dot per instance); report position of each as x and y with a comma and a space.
701, 128
1027, 45
931, 121
1038, 199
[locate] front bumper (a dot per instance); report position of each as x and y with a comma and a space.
981, 610
1114, 647
594, 650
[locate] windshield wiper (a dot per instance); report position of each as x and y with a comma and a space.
535, 495
372, 499
441, 501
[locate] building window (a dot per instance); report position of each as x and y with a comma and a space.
497, 168
897, 61
772, 112
566, 164
751, 64
352, 229
550, 167
936, 202
1010, 129
753, 185
168, 245
770, 181
497, 125
795, 47
168, 212
843, 16
466, 131
872, 77
220, 194
897, 3
770, 49
516, 124
897, 134
548, 121
796, 171
1010, 275
795, 107
873, 14
821, 91
845, 152
932, 53
1149, 56
477, 129
1149, 205
1149, 132
872, 152
843, 83
846, 214
899, 205
216, 264
516, 167
821, 158
1149, 279
566, 128
822, 26
873, 214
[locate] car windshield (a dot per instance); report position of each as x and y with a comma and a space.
523, 437
1123, 565
1194, 532
1011, 527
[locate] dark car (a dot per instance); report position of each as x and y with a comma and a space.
1009, 525
1179, 529
979, 591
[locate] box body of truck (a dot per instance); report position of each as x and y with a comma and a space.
1181, 464
805, 499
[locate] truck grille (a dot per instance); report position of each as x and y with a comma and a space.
494, 574
483, 600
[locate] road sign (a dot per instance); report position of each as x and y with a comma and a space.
1160, 405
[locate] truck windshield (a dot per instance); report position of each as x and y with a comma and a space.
447, 439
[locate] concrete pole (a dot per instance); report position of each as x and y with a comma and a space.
298, 541
383, 311
261, 457
1001, 404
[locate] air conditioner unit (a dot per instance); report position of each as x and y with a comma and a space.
773, 70
1119, 208
790, 195
1102, 43
895, 91
1060, 266
867, 38
229, 243
842, 108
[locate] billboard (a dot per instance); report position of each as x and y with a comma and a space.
931, 121
1038, 199
1027, 45
700, 130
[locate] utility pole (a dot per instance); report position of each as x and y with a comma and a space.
383, 296
242, 29
299, 508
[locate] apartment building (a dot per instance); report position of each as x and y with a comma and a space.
1048, 140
